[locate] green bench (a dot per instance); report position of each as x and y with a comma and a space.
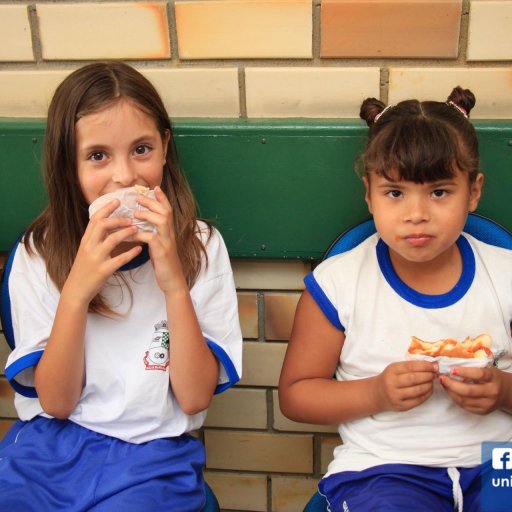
275, 188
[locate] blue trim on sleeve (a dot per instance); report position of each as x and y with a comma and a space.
18, 366
5, 311
323, 301
429, 301
228, 365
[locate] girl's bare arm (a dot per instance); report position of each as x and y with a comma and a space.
59, 375
308, 393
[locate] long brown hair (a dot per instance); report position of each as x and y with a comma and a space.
421, 141
57, 232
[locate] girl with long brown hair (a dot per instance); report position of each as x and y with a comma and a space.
121, 335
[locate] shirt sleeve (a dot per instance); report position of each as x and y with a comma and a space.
30, 301
215, 302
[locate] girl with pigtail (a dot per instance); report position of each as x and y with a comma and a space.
411, 433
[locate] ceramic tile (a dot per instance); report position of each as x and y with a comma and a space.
309, 92
15, 35
491, 86
490, 29
245, 29
397, 28
105, 30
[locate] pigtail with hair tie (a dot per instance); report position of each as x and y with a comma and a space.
379, 115
458, 107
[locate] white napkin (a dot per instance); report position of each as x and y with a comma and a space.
127, 208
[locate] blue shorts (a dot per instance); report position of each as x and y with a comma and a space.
53, 465
402, 488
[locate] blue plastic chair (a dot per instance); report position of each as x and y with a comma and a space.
482, 228
211, 505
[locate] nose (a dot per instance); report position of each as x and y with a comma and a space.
124, 173
417, 210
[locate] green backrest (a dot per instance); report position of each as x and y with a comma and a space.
274, 188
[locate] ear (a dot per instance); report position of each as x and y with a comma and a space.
475, 192
165, 142
367, 195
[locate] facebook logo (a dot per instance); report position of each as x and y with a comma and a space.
502, 458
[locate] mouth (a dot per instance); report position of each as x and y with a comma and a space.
418, 239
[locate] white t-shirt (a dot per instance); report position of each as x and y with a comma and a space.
362, 295
127, 392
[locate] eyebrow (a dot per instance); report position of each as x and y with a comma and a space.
100, 146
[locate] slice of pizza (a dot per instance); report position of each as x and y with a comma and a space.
470, 348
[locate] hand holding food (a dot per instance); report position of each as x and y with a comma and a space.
129, 205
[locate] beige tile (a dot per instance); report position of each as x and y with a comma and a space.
281, 422
248, 313
203, 92
327, 445
7, 409
490, 29
270, 275
309, 92
262, 362
491, 86
28, 93
290, 494
237, 491
238, 408
105, 30
227, 29
15, 35
5, 425
279, 314
390, 28
259, 451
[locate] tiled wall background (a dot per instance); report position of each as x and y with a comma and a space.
262, 58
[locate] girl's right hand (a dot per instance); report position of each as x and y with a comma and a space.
405, 385
94, 262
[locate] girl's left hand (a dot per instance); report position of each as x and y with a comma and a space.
481, 391
162, 244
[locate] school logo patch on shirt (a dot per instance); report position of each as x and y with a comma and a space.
157, 356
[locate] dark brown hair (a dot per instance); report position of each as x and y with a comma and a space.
421, 141
57, 232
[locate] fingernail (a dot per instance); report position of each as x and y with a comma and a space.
453, 371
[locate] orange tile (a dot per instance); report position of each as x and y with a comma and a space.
7, 409
279, 314
248, 313
5, 425
397, 28
227, 29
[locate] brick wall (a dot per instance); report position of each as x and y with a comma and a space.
261, 58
